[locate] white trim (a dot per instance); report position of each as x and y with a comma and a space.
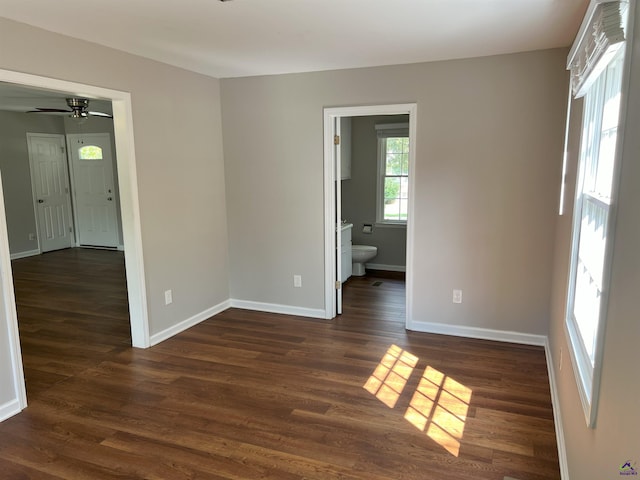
413, 139
557, 416
11, 319
130, 214
330, 274
389, 268
330, 247
481, 333
24, 254
121, 248
9, 409
277, 308
188, 323
337, 208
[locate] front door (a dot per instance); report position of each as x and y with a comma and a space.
93, 189
50, 183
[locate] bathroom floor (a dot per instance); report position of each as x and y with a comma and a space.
380, 295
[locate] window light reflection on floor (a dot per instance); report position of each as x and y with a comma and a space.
390, 376
439, 405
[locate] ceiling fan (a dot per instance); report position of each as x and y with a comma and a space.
79, 109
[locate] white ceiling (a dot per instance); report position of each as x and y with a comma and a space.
259, 37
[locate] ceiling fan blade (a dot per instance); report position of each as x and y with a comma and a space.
48, 110
100, 114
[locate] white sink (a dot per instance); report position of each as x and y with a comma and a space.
344, 226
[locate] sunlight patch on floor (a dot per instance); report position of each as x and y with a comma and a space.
390, 376
439, 404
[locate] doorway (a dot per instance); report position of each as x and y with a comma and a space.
132, 238
333, 169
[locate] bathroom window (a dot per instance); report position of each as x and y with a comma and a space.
393, 184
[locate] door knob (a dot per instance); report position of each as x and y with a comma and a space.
40, 200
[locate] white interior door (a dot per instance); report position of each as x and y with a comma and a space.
50, 185
93, 189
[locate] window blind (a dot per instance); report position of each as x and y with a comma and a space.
387, 130
601, 35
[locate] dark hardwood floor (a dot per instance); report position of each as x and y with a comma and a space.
248, 395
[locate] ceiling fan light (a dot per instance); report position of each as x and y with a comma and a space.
80, 103
79, 114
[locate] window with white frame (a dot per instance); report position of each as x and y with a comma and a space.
393, 173
600, 81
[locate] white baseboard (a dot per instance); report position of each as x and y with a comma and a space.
276, 308
121, 248
9, 409
26, 253
388, 268
557, 417
188, 323
481, 333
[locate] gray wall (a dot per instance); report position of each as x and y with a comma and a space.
178, 146
597, 453
360, 192
489, 137
16, 176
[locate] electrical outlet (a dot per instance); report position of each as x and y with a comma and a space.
32, 236
168, 297
297, 281
457, 296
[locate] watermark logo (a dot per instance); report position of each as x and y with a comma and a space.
628, 468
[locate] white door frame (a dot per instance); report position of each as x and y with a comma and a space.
129, 205
330, 273
337, 210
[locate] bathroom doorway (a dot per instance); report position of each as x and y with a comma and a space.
369, 154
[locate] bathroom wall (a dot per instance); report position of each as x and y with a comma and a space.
359, 195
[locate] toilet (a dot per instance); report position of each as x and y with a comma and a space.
361, 254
